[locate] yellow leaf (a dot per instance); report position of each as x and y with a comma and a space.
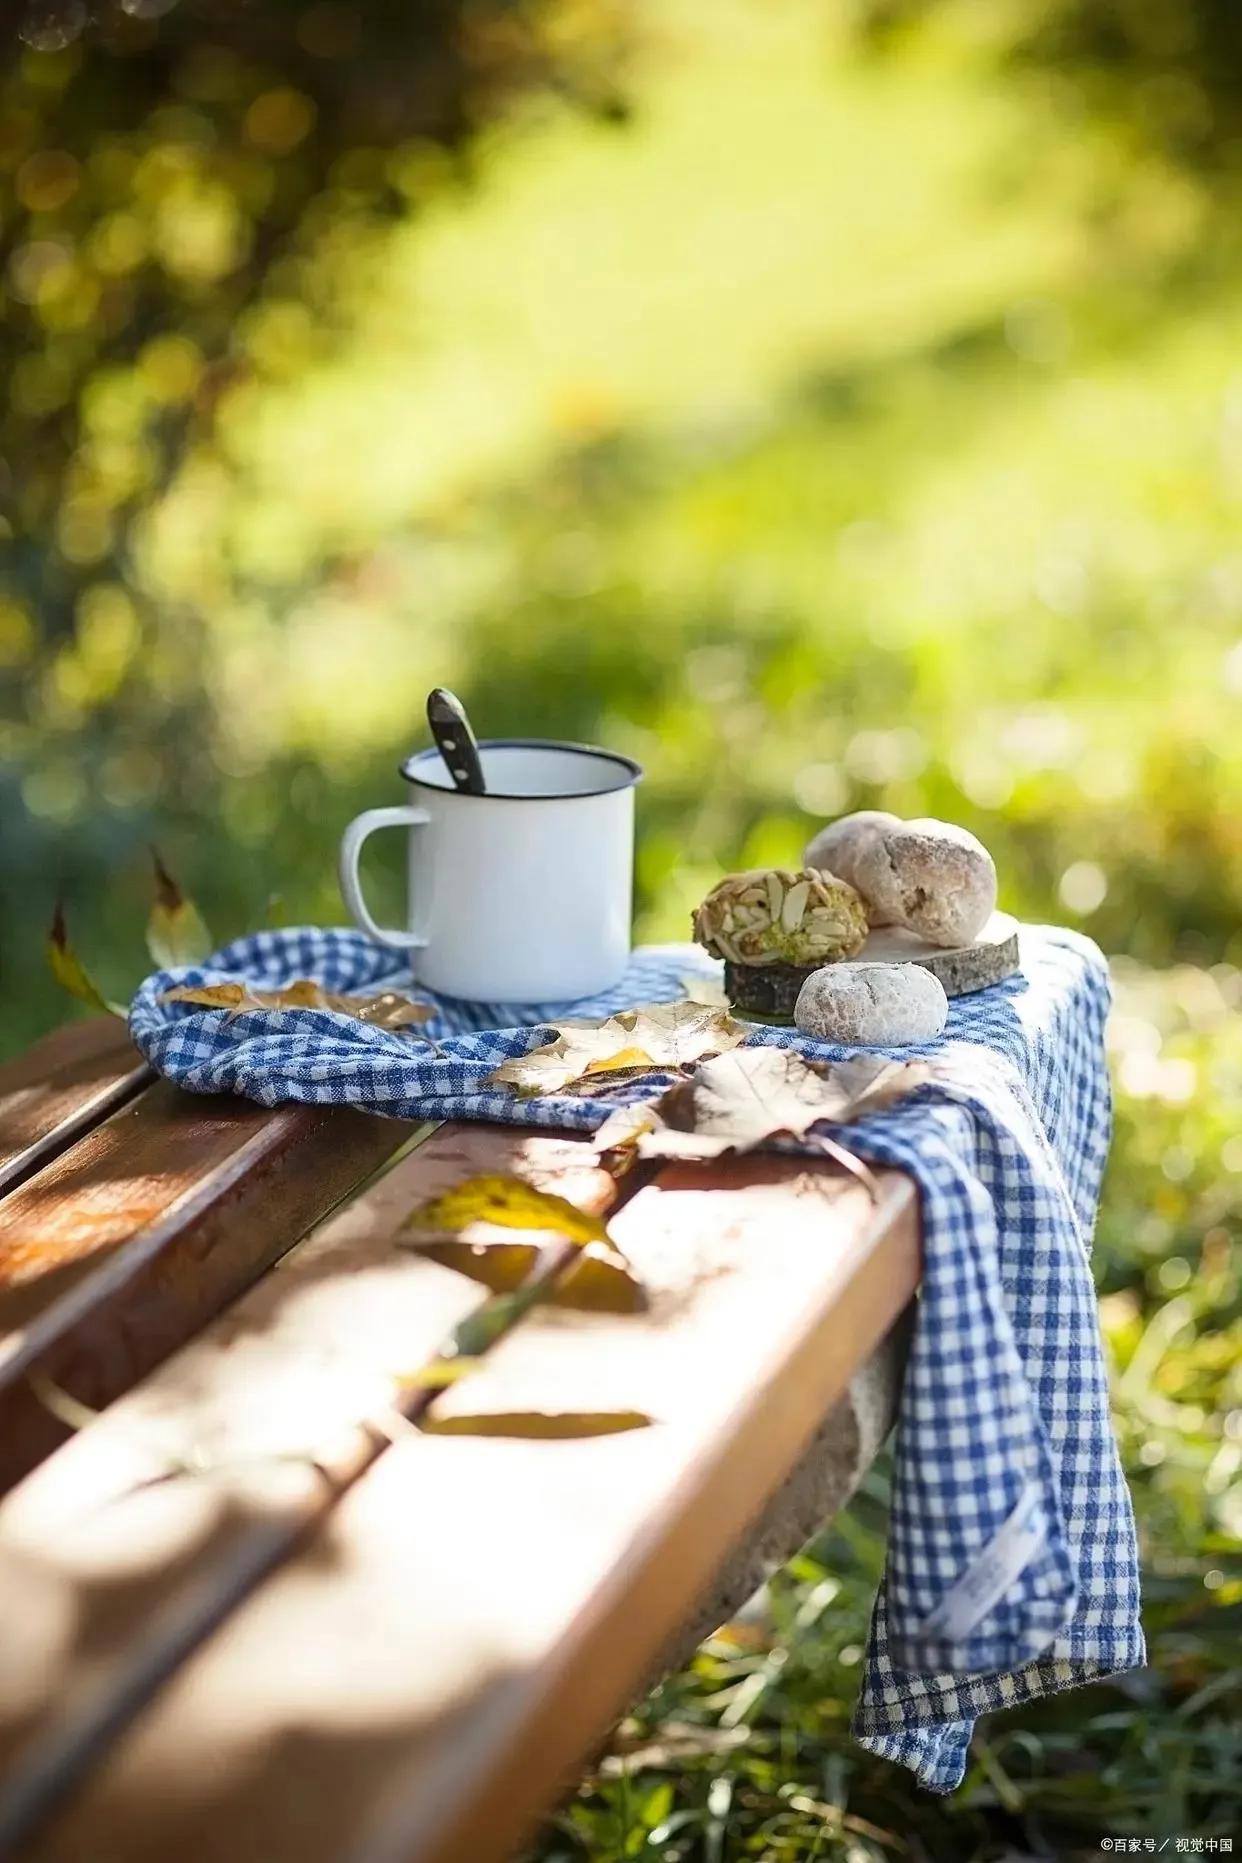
69, 971
511, 1203
600, 1280
624, 1057
437, 1374
389, 1010
545, 1425
176, 933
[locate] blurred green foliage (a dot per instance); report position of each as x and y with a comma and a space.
1165, 75
857, 424
190, 204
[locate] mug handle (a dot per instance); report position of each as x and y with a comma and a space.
351, 884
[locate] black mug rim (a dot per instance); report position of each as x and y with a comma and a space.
631, 772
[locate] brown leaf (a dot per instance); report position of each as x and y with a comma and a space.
546, 1425
176, 933
388, 1010
744, 1098
600, 1281
510, 1202
662, 1034
69, 970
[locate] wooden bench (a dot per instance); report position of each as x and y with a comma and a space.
248, 1611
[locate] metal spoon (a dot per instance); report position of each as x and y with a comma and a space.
457, 743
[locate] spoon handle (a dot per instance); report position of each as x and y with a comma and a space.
457, 744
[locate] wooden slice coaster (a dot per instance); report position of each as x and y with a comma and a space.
990, 959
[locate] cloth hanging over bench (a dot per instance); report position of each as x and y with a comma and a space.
1012, 1566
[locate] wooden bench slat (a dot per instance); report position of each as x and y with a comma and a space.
61, 1087
123, 1246
108, 1574
467, 1620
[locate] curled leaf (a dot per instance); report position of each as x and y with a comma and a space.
176, 932
600, 1281
623, 1129
657, 1035
511, 1203
388, 1010
737, 1101
69, 970
544, 1425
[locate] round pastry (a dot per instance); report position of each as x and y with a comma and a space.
933, 877
872, 1005
838, 847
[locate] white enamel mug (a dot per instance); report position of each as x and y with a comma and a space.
520, 895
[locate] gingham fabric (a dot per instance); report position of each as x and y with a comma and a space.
1011, 1566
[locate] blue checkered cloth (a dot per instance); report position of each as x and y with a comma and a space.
1012, 1567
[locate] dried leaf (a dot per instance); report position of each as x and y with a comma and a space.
511, 1203
600, 1281
70, 972
739, 1100
231, 996
623, 1128
545, 1425
388, 1010
176, 933
666, 1034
